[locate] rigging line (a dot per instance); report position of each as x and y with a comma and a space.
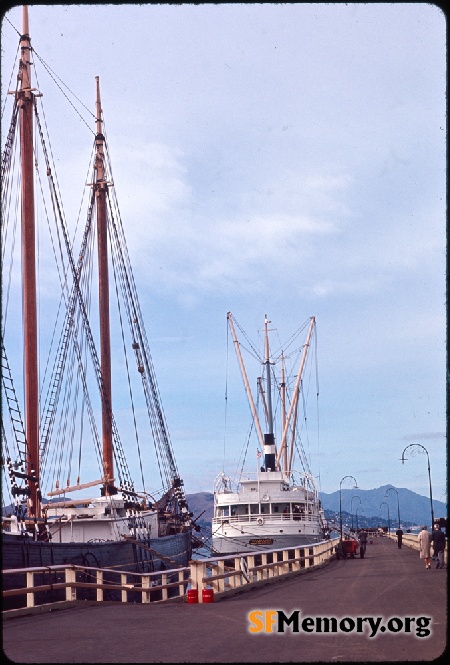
159, 426
13, 70
7, 179
11, 139
12, 26
252, 424
127, 369
15, 413
255, 353
91, 343
8, 169
11, 264
54, 76
71, 317
63, 282
292, 339
317, 400
226, 399
69, 403
51, 171
307, 457
54, 192
70, 300
5, 458
125, 295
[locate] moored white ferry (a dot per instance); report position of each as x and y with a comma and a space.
275, 506
265, 512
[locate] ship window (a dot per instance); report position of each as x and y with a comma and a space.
223, 511
281, 508
240, 509
254, 509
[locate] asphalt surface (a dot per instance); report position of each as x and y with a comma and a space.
389, 583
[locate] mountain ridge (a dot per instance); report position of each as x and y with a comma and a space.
414, 507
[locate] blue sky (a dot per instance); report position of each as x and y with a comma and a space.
279, 159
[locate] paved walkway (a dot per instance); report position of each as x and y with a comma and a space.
390, 583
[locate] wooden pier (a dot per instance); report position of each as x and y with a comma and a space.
389, 583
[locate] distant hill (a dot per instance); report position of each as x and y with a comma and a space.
414, 508
202, 505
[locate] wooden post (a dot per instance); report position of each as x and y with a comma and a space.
70, 575
198, 571
99, 579
163, 582
30, 583
124, 592
146, 585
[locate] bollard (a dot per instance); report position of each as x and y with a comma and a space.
192, 596
208, 595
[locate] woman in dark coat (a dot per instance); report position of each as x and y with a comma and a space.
438, 540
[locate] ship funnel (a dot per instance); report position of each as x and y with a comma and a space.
269, 452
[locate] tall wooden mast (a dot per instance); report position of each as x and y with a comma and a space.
101, 189
25, 98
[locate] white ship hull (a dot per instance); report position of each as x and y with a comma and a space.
256, 538
265, 513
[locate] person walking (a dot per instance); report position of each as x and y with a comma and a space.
399, 534
424, 540
438, 540
362, 537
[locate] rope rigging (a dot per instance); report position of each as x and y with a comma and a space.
67, 404
296, 426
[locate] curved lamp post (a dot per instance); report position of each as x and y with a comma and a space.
340, 499
351, 509
389, 518
358, 508
398, 504
419, 445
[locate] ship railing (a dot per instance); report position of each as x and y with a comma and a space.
62, 583
266, 517
233, 573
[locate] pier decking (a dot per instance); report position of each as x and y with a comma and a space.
389, 583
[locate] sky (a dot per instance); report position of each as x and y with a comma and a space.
286, 160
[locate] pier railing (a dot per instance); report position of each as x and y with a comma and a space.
225, 575
411, 540
59, 584
25, 589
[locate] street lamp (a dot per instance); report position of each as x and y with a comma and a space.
398, 504
419, 445
389, 518
340, 498
351, 509
358, 508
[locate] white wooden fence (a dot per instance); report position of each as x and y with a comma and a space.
222, 575
226, 574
